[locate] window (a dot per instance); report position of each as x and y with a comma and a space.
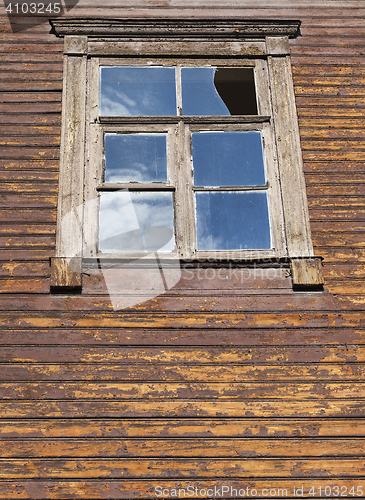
180, 137
193, 174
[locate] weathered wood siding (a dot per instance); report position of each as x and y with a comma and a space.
238, 381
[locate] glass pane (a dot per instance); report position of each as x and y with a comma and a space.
236, 86
199, 95
228, 159
129, 91
135, 158
232, 221
136, 222
218, 91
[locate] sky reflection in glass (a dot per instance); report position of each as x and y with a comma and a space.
199, 95
232, 221
137, 91
136, 222
135, 158
228, 159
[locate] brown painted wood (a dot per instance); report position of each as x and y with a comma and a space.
236, 377
219, 409
125, 489
163, 428
179, 469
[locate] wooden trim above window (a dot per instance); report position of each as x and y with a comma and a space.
176, 28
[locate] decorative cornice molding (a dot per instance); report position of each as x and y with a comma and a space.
175, 28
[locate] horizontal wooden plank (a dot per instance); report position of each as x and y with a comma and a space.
327, 59
25, 228
329, 90
285, 391
30, 153
28, 241
349, 202
348, 134
314, 68
27, 254
344, 271
331, 110
324, 122
212, 355
28, 200
24, 118
28, 47
27, 176
24, 268
346, 216
351, 287
335, 178
170, 373
324, 80
137, 280
37, 107
22, 97
336, 155
29, 129
182, 448
193, 488
107, 408
180, 468
31, 85
338, 254
329, 167
339, 239
24, 285
142, 319
332, 145
317, 189
30, 140
182, 428
27, 215
30, 66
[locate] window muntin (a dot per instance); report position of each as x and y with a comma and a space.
187, 229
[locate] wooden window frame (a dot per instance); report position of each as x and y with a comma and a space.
90, 44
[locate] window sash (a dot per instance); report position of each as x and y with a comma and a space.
179, 130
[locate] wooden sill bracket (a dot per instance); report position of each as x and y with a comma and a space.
307, 273
66, 274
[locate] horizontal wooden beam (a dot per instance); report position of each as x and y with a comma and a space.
176, 28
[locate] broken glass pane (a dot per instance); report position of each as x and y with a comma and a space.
218, 91
137, 91
232, 220
228, 159
135, 158
136, 222
236, 86
199, 95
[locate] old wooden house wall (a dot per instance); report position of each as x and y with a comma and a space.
216, 381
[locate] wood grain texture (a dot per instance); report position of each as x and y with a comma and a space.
236, 381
